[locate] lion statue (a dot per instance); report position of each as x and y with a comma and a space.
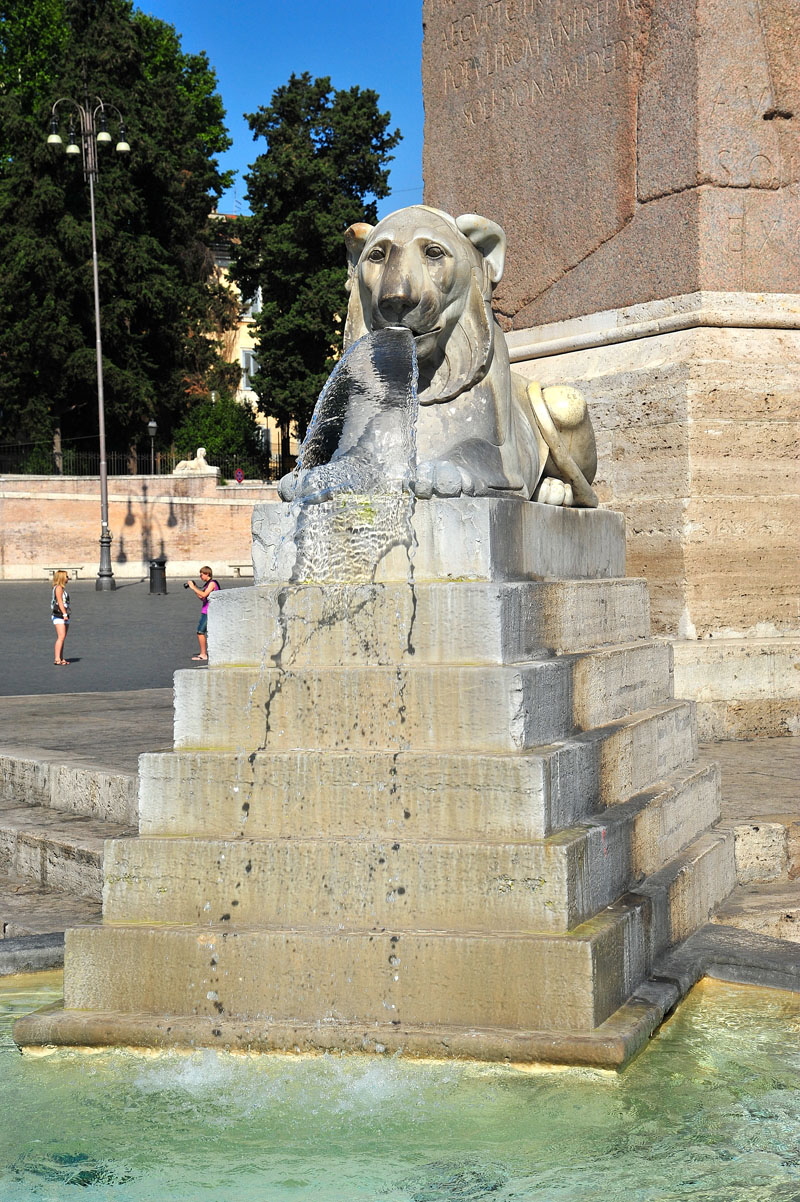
481, 428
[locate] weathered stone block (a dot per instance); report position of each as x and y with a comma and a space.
551, 884
501, 888
46, 781
685, 893
412, 794
671, 815
760, 849
380, 978
486, 708
467, 708
645, 748
744, 687
613, 681
467, 622
467, 538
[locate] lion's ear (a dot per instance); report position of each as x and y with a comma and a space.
354, 238
490, 240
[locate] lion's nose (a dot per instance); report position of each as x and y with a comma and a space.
397, 295
394, 304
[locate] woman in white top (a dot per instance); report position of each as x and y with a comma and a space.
60, 610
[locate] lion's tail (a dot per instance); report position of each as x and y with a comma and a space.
583, 493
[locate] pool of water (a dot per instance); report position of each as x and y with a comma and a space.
710, 1111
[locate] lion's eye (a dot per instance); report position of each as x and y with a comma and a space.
376, 255
434, 252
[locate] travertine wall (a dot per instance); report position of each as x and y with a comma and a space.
699, 445
698, 441
50, 521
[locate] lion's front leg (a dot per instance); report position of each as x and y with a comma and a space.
472, 467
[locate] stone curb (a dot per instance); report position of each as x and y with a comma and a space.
31, 953
729, 953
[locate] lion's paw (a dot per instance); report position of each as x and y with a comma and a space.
553, 491
312, 486
441, 478
287, 486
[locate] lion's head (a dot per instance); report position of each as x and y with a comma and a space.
434, 274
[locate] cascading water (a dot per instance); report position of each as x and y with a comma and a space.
351, 501
358, 453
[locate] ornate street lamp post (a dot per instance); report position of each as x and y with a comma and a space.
87, 131
151, 430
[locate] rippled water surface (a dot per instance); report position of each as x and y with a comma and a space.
710, 1111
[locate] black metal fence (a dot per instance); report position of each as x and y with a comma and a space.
31, 459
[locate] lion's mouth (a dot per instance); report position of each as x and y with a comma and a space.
416, 334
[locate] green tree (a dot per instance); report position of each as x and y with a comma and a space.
222, 426
323, 169
154, 233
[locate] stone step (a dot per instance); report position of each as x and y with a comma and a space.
477, 709
665, 817
400, 976
56, 850
20, 954
27, 909
767, 849
686, 892
42, 778
467, 622
440, 795
767, 908
746, 687
392, 976
496, 887
551, 884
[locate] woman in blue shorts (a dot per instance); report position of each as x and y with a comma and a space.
208, 585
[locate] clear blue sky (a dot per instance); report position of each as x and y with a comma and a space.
254, 47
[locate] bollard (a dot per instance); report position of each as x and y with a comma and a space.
158, 574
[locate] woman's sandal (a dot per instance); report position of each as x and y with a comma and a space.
58, 663
203, 658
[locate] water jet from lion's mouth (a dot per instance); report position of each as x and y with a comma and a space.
415, 334
360, 444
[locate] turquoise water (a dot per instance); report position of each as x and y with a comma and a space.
710, 1111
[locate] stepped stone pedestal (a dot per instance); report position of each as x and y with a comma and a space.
454, 810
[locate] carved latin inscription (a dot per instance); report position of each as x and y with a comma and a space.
512, 54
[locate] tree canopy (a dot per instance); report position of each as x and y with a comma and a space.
153, 227
325, 167
223, 427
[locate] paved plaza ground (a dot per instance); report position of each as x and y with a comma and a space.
128, 639
114, 699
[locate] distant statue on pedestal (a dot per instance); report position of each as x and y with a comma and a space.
199, 466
